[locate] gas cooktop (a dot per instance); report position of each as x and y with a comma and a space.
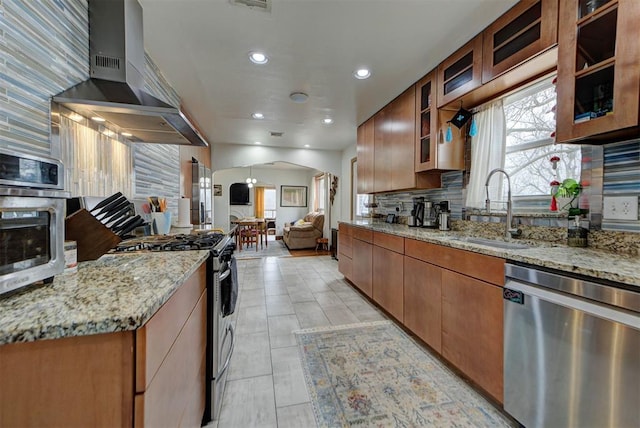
171, 242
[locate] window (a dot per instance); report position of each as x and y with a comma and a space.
269, 203
320, 193
515, 133
530, 121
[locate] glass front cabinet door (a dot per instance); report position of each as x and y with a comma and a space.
598, 67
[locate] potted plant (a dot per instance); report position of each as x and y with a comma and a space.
567, 193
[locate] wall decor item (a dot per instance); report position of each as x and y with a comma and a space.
217, 190
334, 188
293, 196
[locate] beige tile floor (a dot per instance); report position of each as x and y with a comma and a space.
278, 295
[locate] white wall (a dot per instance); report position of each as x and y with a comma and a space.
345, 187
267, 177
225, 156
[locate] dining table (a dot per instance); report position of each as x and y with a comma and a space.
244, 223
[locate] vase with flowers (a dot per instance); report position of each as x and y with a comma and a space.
566, 193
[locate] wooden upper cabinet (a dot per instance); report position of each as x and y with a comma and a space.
461, 72
394, 140
598, 67
365, 153
403, 141
426, 150
432, 153
527, 29
382, 150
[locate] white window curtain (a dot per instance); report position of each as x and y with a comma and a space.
487, 153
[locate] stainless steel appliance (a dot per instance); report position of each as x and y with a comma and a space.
417, 213
571, 350
222, 291
430, 215
31, 220
115, 90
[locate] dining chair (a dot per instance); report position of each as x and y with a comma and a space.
249, 235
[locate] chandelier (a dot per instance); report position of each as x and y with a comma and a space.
250, 180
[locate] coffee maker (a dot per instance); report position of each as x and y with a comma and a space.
430, 215
417, 213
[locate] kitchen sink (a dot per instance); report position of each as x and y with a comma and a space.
496, 244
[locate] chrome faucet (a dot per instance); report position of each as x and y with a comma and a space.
510, 231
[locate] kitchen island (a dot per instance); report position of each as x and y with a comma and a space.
120, 342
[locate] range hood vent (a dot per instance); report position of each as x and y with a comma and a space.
114, 91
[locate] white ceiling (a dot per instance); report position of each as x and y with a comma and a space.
314, 46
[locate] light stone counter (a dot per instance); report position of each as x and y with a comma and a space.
600, 264
117, 292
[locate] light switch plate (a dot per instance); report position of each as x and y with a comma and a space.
620, 207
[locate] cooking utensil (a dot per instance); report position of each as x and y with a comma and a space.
123, 212
128, 221
106, 201
109, 207
119, 220
139, 222
104, 216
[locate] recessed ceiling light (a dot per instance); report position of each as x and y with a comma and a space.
257, 116
127, 134
258, 58
258, 142
109, 133
97, 119
298, 97
327, 120
362, 73
306, 145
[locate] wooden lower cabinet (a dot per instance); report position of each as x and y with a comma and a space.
362, 267
388, 274
153, 376
345, 250
472, 329
422, 301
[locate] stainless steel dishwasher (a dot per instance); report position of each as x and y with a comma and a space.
571, 350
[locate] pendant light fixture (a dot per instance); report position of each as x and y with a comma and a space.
250, 180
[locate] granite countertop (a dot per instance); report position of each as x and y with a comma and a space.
595, 263
117, 292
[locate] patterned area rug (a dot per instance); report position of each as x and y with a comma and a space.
274, 249
374, 375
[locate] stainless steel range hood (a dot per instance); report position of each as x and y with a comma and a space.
114, 91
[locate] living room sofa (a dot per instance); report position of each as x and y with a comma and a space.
303, 235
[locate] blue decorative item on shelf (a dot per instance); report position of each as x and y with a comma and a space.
449, 135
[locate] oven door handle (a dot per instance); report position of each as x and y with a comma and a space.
225, 275
228, 359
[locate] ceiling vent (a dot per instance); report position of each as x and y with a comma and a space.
276, 134
263, 5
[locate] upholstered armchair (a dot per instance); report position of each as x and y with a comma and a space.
304, 235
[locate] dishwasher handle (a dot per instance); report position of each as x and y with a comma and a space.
516, 292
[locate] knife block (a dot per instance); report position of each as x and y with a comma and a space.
92, 237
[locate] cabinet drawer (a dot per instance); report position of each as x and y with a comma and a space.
390, 242
486, 268
155, 338
361, 234
181, 371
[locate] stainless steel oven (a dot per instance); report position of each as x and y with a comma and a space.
32, 205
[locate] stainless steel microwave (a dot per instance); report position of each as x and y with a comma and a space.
32, 205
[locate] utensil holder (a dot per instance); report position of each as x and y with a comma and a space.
161, 222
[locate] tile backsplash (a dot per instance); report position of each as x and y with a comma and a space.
610, 170
45, 51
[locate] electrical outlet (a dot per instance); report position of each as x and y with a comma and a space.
620, 207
